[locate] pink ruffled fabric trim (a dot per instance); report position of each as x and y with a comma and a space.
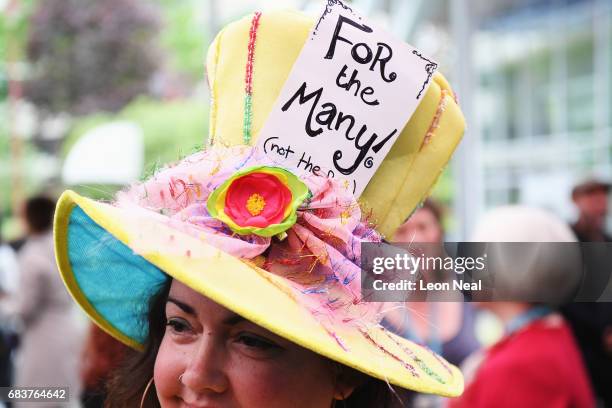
320, 256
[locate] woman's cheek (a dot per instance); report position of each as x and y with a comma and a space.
258, 385
262, 384
169, 365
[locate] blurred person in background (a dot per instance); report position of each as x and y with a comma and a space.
453, 336
101, 355
591, 322
50, 336
591, 200
446, 327
8, 269
8, 285
537, 362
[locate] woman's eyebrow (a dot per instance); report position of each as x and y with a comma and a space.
183, 306
233, 320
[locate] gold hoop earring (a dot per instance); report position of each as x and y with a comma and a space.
335, 403
144, 394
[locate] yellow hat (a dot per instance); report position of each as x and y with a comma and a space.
415, 161
282, 251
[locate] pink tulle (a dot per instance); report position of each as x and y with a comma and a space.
320, 256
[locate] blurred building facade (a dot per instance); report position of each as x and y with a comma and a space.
534, 78
544, 101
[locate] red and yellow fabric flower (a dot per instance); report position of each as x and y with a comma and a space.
260, 200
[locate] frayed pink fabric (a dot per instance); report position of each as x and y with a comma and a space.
320, 255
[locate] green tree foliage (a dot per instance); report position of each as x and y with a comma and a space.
14, 24
185, 35
90, 55
14, 28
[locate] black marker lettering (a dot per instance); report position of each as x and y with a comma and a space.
359, 58
326, 117
383, 62
349, 83
341, 118
336, 37
369, 91
303, 99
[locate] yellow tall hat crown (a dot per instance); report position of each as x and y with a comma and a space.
415, 161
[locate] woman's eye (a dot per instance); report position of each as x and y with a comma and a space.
177, 325
256, 342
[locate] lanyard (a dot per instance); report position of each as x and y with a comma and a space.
525, 318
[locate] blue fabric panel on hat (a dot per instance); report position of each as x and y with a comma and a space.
117, 282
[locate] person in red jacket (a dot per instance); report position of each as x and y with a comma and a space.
537, 362
538, 365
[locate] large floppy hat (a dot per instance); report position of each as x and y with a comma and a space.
280, 250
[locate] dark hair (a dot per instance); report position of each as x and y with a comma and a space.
129, 382
589, 187
432, 206
38, 213
435, 208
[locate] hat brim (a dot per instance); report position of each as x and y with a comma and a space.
113, 285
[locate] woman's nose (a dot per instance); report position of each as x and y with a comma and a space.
206, 369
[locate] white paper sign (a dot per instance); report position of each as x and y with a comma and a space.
350, 93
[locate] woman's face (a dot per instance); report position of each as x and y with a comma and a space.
226, 361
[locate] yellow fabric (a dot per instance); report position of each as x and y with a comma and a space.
257, 295
402, 181
404, 178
